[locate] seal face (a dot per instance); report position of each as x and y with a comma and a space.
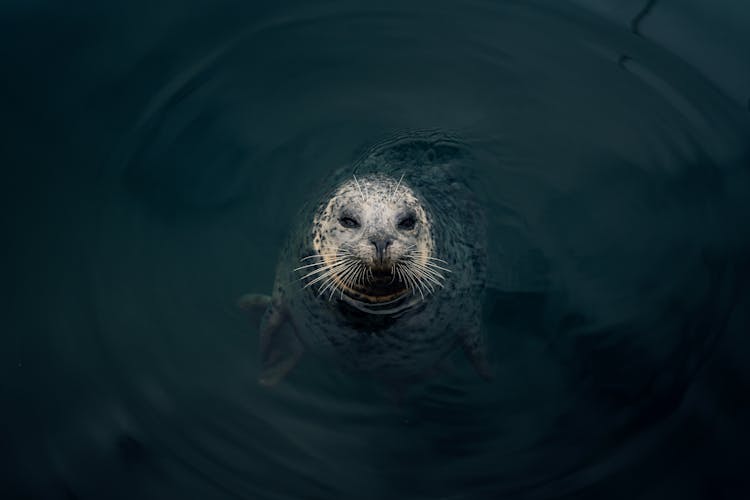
373, 244
386, 270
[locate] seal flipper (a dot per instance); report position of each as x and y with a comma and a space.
255, 304
472, 342
280, 349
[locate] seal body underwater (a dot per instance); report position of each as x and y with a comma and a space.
385, 272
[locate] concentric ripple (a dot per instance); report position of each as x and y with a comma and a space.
615, 181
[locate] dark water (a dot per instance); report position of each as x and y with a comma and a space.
154, 157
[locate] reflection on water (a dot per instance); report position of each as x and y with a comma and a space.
159, 157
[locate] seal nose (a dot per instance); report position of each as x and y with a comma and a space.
381, 247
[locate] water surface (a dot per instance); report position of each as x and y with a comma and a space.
157, 157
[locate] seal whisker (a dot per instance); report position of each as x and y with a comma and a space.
413, 284
431, 261
427, 279
432, 271
363, 276
419, 281
362, 273
435, 266
330, 282
428, 285
313, 273
359, 187
324, 266
351, 279
324, 255
437, 280
316, 256
395, 190
405, 279
423, 267
319, 264
356, 276
346, 274
333, 290
332, 270
430, 278
403, 191
316, 271
340, 279
339, 284
322, 277
393, 275
417, 261
419, 288
425, 255
397, 267
408, 283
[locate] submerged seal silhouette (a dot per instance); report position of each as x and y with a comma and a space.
385, 272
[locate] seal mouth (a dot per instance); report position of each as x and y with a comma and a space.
381, 276
381, 285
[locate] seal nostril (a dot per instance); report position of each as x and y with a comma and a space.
381, 246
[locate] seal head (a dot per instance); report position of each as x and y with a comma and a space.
373, 244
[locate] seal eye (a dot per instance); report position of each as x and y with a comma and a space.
407, 223
348, 222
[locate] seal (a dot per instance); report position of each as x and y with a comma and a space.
386, 270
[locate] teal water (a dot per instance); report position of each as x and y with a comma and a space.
155, 156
